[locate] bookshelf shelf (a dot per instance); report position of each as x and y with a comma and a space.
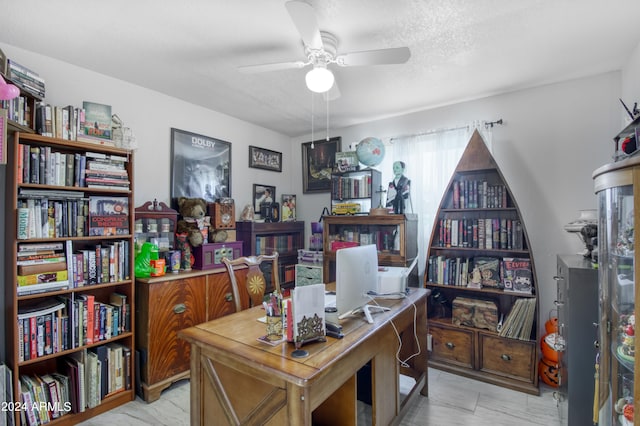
478, 223
59, 225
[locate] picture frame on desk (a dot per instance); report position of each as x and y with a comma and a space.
318, 160
266, 159
200, 167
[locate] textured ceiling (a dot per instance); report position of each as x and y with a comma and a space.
460, 49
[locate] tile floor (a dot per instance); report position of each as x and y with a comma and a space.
452, 401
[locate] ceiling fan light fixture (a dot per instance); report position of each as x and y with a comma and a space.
319, 79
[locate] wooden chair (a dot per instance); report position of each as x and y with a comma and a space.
255, 283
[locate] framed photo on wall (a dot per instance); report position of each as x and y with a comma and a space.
262, 194
261, 158
317, 164
200, 167
288, 207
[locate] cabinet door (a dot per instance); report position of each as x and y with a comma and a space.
173, 305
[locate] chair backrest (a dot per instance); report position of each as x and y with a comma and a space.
256, 284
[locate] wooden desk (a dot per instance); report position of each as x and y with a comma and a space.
237, 378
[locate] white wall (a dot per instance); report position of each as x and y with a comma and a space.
552, 139
151, 115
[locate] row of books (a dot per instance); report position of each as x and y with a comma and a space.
485, 233
18, 110
90, 123
519, 322
60, 267
42, 165
44, 214
343, 187
478, 194
26, 79
509, 273
281, 243
58, 324
6, 394
82, 382
384, 240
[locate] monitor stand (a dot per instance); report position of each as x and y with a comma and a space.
367, 310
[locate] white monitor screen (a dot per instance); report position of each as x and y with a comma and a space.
356, 275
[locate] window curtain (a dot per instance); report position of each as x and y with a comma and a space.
430, 159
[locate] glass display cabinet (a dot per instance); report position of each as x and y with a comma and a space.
156, 223
617, 186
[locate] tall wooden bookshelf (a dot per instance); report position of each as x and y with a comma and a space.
476, 194
64, 340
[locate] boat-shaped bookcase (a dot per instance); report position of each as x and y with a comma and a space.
483, 314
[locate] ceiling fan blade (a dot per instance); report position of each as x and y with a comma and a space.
395, 55
333, 93
254, 69
304, 18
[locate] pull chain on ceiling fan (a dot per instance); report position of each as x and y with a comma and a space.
320, 49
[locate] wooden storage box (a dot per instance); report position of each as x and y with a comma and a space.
475, 313
210, 255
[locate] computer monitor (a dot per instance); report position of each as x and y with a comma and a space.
356, 276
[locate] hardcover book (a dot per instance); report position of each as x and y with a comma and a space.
517, 274
108, 215
489, 268
96, 127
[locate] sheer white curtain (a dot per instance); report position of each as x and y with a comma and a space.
430, 159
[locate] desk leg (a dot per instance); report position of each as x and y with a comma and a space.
385, 381
298, 406
194, 384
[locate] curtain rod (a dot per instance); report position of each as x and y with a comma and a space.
449, 129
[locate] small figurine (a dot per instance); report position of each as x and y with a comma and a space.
399, 188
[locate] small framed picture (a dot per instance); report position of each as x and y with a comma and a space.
261, 158
288, 207
262, 194
346, 161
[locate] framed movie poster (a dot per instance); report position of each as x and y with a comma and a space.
261, 158
200, 167
262, 194
317, 164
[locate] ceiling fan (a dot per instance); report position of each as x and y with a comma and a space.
321, 50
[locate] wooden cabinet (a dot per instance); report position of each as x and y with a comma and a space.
395, 236
87, 310
617, 186
167, 305
355, 192
478, 224
266, 237
577, 303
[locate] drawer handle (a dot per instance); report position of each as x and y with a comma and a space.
228, 297
557, 278
450, 345
180, 308
505, 357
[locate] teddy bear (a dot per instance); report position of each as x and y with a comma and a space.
194, 221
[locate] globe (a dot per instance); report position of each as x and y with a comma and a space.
370, 151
